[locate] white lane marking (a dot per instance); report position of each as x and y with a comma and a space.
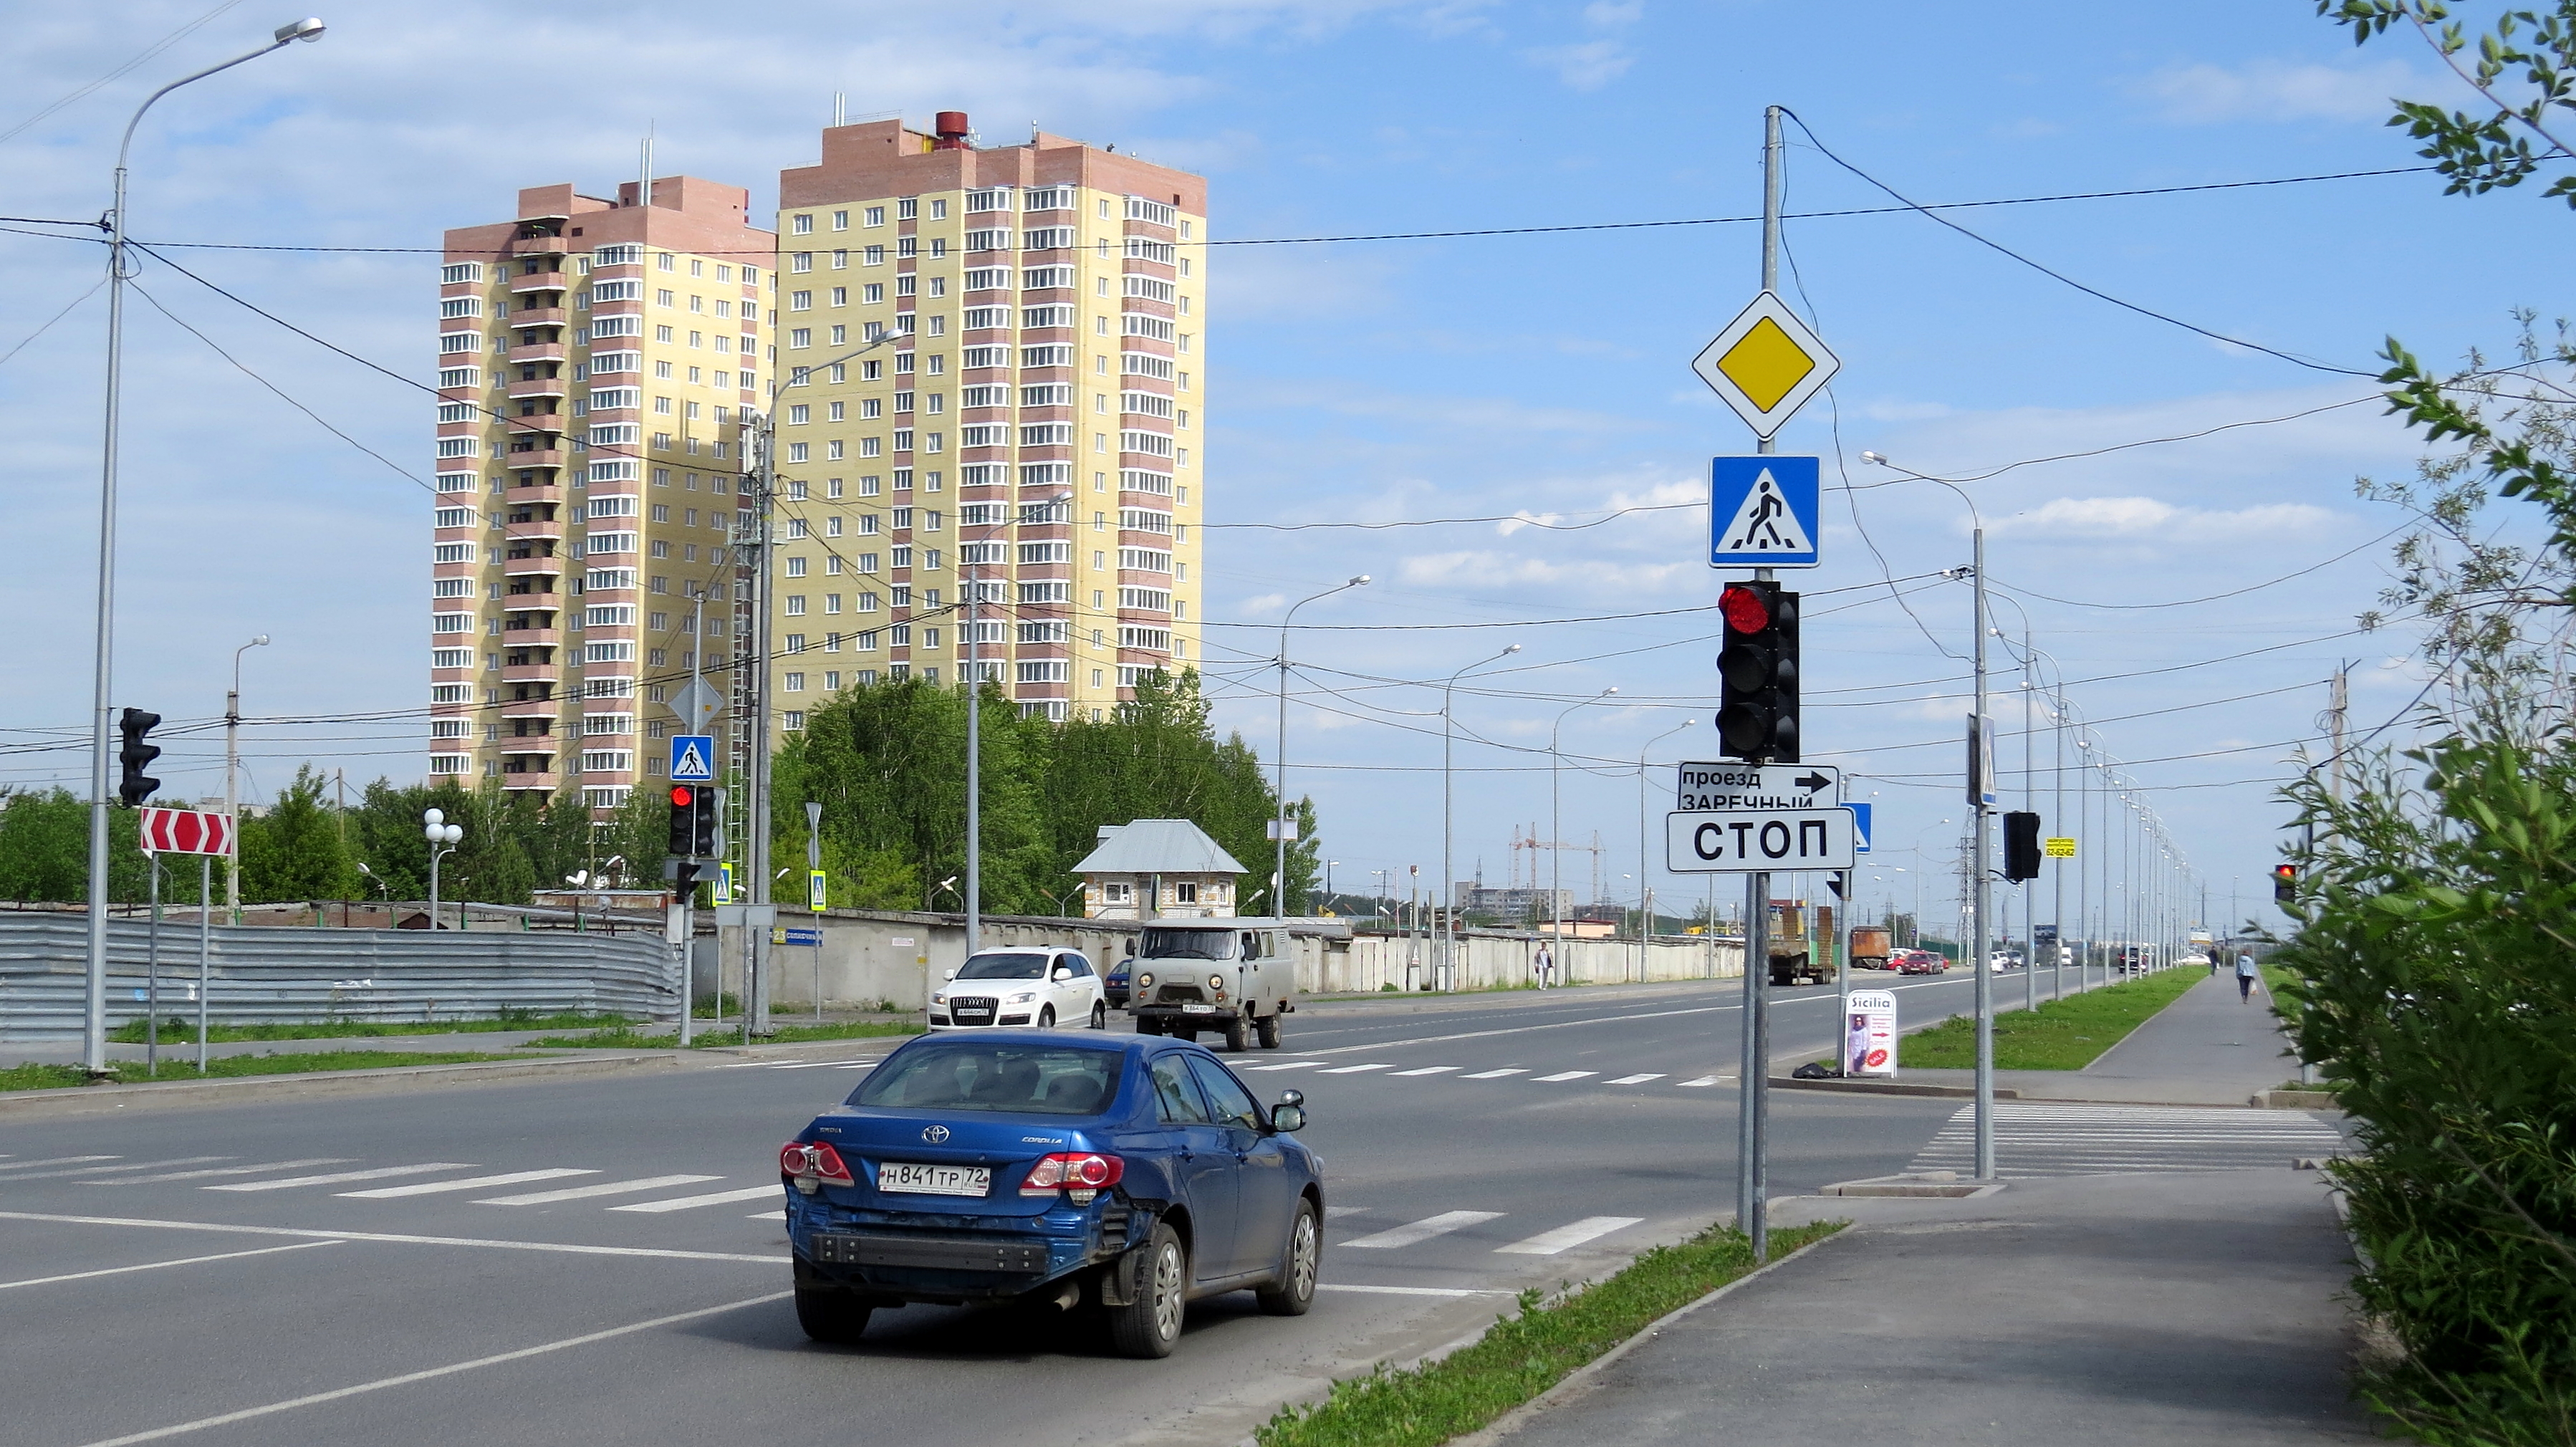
1286, 1065
1604, 1020
1426, 1070
1335, 1213
820, 1064
1703, 1080
561, 1248
1355, 1069
407, 1378
106, 1170
336, 1177
1423, 1230
1566, 1075
1635, 1079
1493, 1074
604, 1188
470, 1183
1569, 1236
860, 1065
54, 1161
719, 1198
226, 1171
1449, 1291
157, 1265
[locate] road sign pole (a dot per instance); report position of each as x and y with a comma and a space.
152, 976
205, 947
1984, 893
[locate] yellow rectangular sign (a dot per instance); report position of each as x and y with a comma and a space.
2061, 849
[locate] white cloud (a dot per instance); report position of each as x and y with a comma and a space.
1609, 14
2274, 90
2146, 518
1586, 66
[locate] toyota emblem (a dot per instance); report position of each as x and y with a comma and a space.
935, 1134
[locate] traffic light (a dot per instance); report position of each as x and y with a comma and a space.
683, 836
2021, 846
136, 756
2285, 883
1757, 718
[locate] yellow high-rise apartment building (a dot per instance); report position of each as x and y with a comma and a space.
597, 362
1026, 425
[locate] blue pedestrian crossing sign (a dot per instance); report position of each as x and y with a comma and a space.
1762, 511
693, 758
1860, 827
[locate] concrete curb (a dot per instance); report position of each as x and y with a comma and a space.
1888, 1087
1579, 1380
18, 1105
2293, 1100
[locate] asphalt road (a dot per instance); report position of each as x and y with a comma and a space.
599, 1260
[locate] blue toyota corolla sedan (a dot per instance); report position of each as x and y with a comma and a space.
1125, 1176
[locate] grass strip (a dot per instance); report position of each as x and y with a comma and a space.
2066, 1034
130, 1072
176, 1031
720, 1037
1524, 1355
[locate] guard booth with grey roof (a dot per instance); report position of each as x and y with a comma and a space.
1157, 869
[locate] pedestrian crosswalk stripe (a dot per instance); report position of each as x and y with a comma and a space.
1566, 1075
1568, 1236
1414, 1233
1354, 1069
603, 1188
2035, 1140
1703, 1080
691, 1203
54, 1161
107, 1170
200, 1175
1493, 1074
1635, 1079
377, 1173
1286, 1065
1426, 1070
471, 1183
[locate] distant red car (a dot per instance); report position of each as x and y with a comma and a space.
1918, 962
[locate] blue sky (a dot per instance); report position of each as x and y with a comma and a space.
1544, 376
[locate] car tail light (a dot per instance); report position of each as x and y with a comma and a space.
1080, 1173
817, 1164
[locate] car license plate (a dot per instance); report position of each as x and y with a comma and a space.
1196, 1007
908, 1178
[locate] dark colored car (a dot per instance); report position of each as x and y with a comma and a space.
1920, 962
1132, 1176
1116, 983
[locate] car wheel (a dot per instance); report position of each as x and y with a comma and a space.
830, 1316
1099, 1015
1294, 1291
1270, 1032
1238, 1035
1150, 1325
1046, 1017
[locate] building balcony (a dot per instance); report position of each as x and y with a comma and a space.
542, 530
532, 496
522, 353
527, 781
533, 708
532, 567
530, 673
541, 316
539, 246
542, 281
541, 387
532, 638
533, 457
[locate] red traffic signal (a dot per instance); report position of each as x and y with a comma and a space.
2285, 883
1746, 611
681, 794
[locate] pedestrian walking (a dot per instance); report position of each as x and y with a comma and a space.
2245, 977
1543, 965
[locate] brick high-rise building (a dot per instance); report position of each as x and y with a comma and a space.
1046, 309
597, 362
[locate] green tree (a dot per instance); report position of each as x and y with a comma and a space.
294, 850
44, 851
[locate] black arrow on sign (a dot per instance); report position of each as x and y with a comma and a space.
1812, 782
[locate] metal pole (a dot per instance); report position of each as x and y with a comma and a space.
205, 948
2030, 932
1983, 896
763, 478
434, 853
2057, 869
1844, 901
1279, 761
152, 975
814, 860
974, 770
232, 795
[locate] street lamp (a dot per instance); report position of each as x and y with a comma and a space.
94, 1052
1646, 892
443, 838
1280, 826
232, 761
1556, 826
1448, 810
974, 897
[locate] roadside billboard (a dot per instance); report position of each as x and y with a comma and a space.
1869, 1034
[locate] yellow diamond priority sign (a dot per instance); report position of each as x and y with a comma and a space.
1766, 364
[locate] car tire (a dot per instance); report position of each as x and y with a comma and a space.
1046, 1017
1150, 1325
1300, 1257
1269, 1032
1099, 1014
830, 1316
1238, 1035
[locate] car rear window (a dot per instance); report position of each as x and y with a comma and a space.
996, 1076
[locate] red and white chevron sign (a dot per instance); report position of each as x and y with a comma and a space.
186, 831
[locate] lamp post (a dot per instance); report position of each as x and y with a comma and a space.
232, 762
1280, 826
1061, 502
1449, 871
1645, 891
94, 1046
1556, 829
443, 838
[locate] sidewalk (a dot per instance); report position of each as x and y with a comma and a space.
2180, 1309
2206, 1048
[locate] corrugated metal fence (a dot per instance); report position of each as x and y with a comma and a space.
259, 974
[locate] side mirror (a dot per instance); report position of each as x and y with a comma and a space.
952, 974
1062, 974
1289, 1114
